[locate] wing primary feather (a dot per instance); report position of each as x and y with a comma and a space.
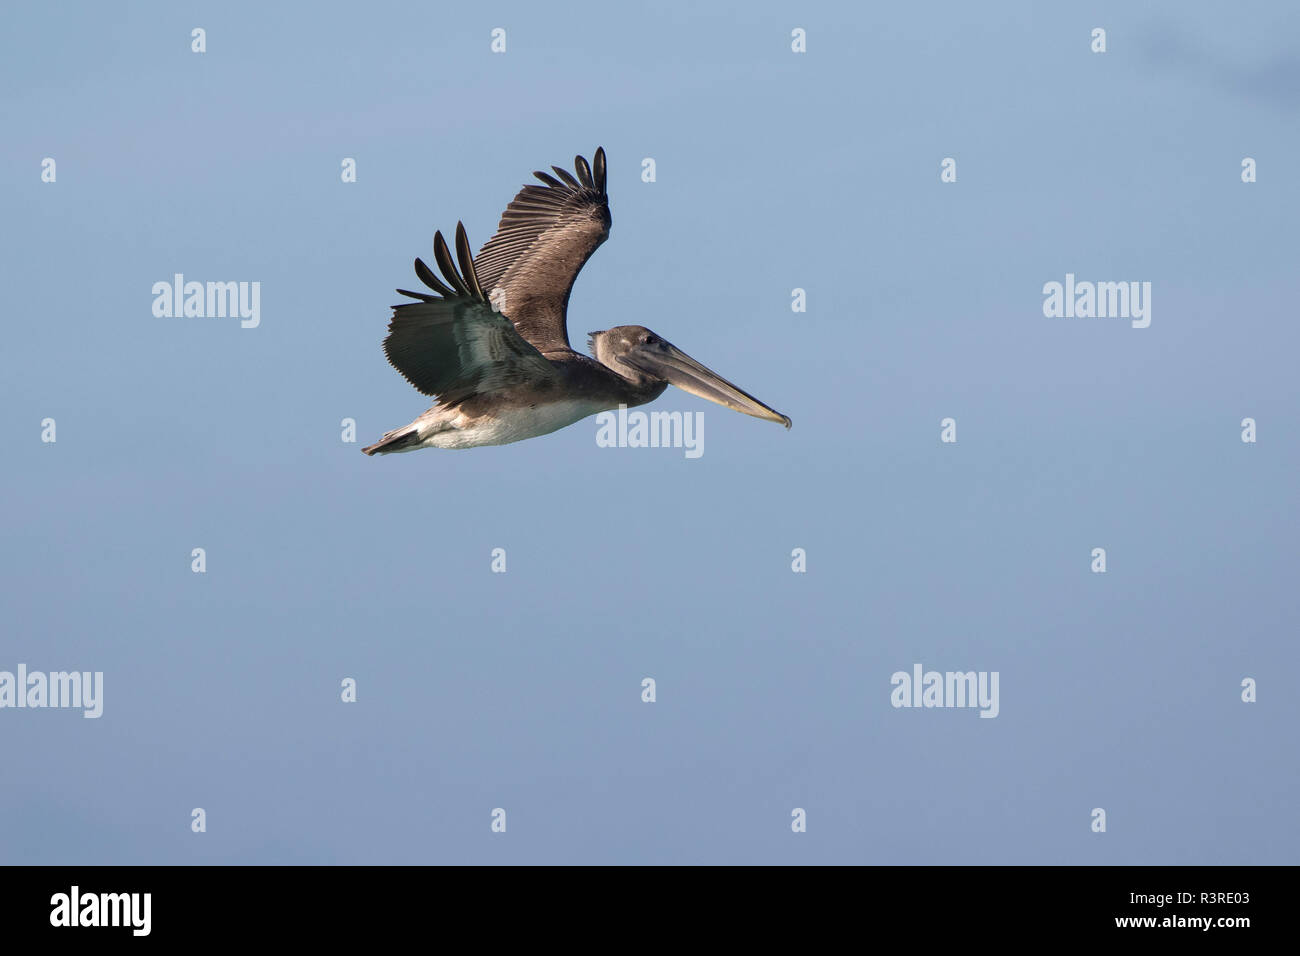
584, 172
547, 178
566, 176
599, 162
443, 256
418, 295
428, 278
466, 260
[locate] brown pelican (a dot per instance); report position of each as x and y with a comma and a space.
492, 346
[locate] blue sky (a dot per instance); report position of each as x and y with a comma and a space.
522, 690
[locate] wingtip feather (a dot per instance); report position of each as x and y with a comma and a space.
599, 163
466, 259
584, 172
443, 256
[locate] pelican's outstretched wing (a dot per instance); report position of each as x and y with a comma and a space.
545, 236
454, 344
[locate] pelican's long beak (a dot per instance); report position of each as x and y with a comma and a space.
671, 364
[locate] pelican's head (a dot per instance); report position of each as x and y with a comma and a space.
640, 356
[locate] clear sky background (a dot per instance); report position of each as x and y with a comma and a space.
523, 690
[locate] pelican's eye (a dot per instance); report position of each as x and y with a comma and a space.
647, 339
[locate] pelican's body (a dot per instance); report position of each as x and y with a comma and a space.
524, 411
493, 345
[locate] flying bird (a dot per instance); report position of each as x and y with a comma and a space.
491, 346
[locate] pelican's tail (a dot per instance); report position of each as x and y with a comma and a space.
406, 438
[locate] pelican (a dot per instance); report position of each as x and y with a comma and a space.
492, 348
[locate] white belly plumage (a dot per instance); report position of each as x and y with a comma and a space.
458, 430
